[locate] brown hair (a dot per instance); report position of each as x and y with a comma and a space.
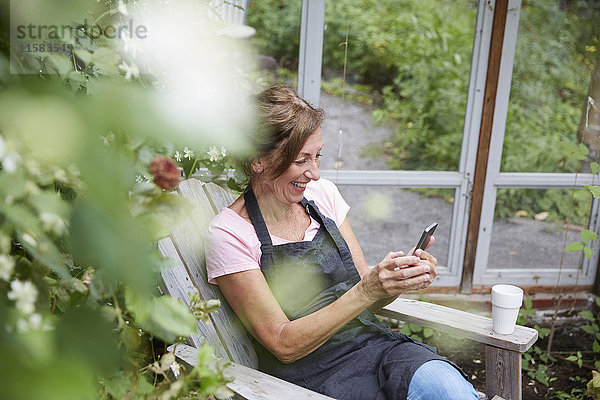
285, 122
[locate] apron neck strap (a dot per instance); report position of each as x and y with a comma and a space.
258, 221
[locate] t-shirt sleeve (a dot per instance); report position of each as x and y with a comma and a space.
329, 200
227, 253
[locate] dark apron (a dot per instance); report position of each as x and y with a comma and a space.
364, 359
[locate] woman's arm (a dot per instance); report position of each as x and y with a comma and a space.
252, 300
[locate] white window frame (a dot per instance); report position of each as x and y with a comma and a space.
309, 72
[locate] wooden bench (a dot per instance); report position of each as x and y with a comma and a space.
230, 340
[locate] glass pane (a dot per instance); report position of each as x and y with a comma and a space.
408, 67
556, 54
276, 41
531, 233
392, 219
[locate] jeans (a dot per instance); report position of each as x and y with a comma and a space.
438, 380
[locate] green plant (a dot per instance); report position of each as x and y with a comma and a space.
574, 394
416, 331
535, 361
593, 386
592, 328
83, 140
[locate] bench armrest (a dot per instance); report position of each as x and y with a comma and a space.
250, 383
460, 323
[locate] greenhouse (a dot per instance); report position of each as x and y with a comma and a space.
178, 179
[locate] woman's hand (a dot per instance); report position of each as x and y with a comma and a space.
397, 274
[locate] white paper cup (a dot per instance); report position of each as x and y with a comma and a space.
506, 302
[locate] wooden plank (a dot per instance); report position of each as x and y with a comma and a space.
177, 283
188, 238
461, 323
218, 196
503, 373
483, 147
253, 384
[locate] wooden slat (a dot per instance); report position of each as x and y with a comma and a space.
218, 196
253, 384
188, 238
177, 283
461, 323
503, 373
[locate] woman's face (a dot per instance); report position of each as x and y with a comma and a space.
289, 187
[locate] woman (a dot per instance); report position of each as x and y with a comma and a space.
286, 260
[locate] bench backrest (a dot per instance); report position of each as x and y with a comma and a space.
185, 245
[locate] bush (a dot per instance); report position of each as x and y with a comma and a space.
85, 141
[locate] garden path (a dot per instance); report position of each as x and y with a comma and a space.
390, 219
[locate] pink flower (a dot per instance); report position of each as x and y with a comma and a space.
165, 172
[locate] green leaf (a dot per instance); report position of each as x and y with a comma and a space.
580, 362
583, 148
528, 302
587, 235
106, 60
587, 315
588, 252
572, 358
595, 190
596, 347
595, 167
428, 332
117, 385
164, 317
574, 246
415, 328
597, 300
590, 328
59, 63
205, 355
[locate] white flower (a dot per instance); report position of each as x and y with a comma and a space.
10, 162
33, 323
223, 152
214, 154
129, 45
139, 179
178, 156
187, 153
7, 264
130, 70
53, 223
2, 147
175, 367
61, 175
24, 294
122, 8
30, 240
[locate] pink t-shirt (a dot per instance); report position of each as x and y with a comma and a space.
233, 246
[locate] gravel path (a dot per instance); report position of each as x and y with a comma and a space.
387, 219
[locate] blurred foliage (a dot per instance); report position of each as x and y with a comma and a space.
417, 55
79, 299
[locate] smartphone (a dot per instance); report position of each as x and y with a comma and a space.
427, 233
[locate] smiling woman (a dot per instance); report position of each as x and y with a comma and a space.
286, 260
